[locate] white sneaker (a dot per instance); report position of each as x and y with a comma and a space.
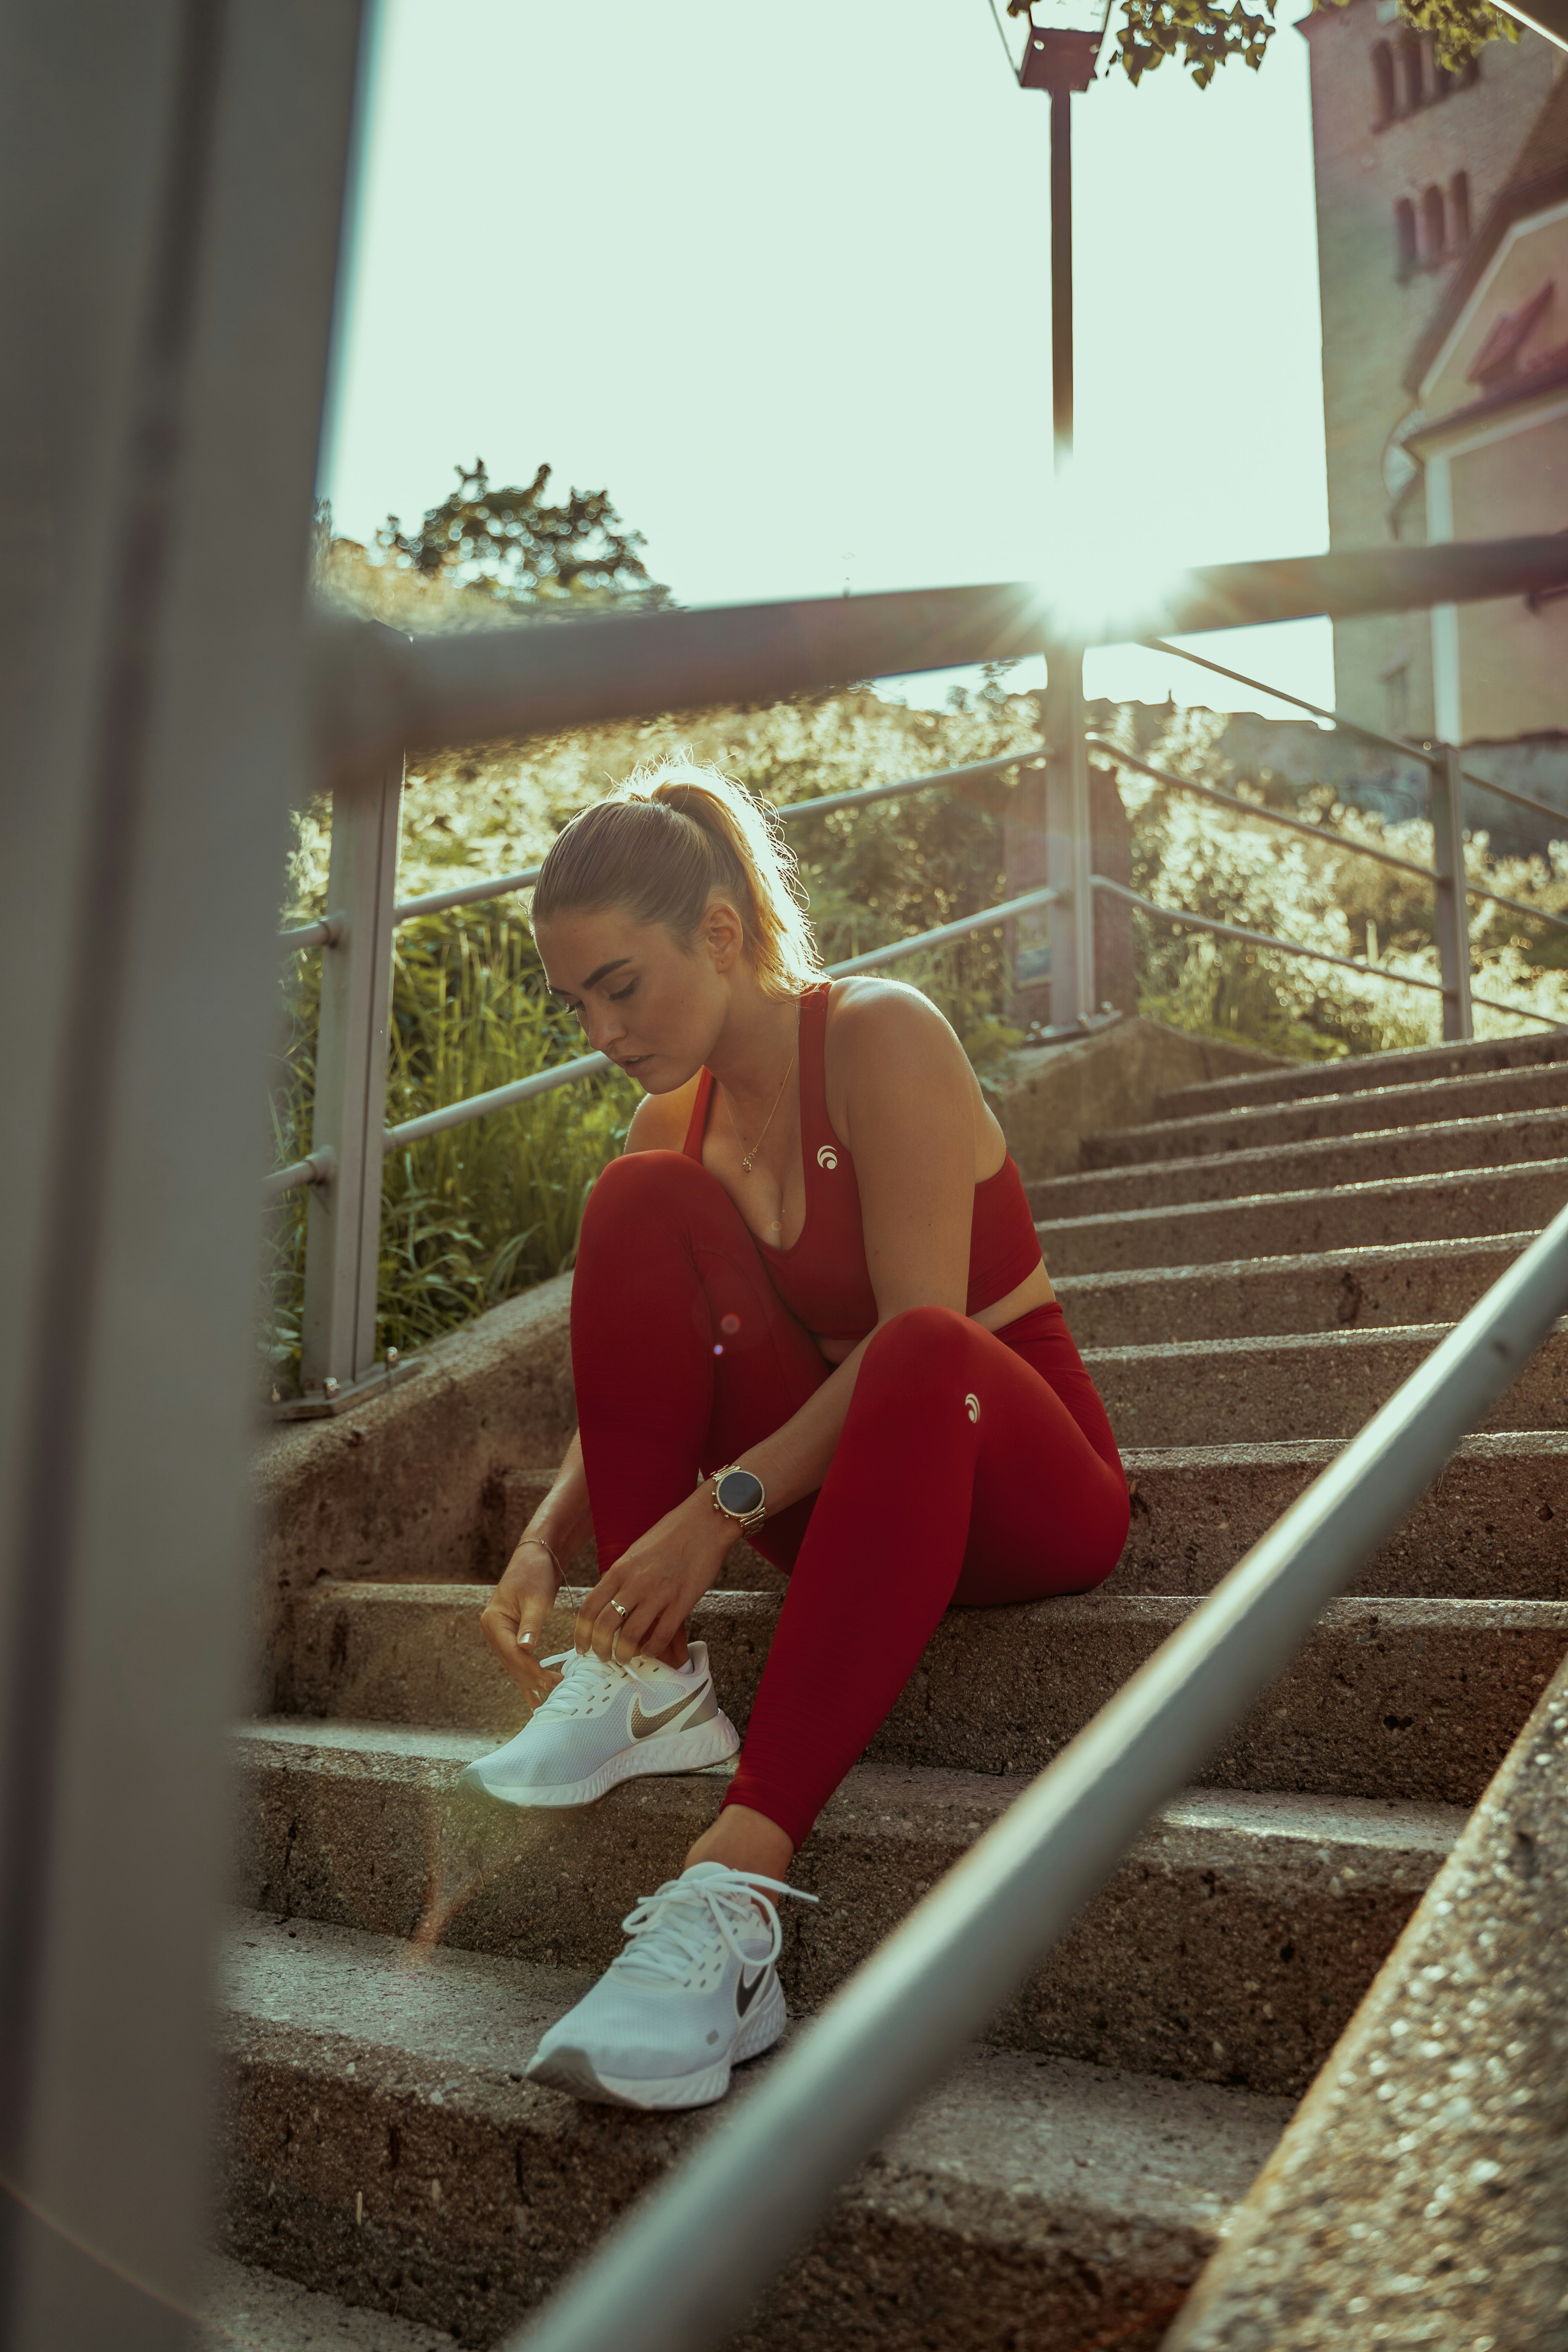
693, 1994
604, 1723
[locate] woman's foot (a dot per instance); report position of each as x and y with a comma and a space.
604, 1723
694, 1994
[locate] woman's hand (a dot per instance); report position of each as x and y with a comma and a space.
659, 1583
514, 1615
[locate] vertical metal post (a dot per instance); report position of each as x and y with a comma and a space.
343, 1234
171, 188
1061, 274
1069, 843
1452, 912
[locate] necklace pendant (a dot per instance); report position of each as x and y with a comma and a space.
745, 1167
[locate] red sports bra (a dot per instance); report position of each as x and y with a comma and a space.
822, 1278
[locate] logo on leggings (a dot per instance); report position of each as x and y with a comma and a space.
971, 1405
826, 1156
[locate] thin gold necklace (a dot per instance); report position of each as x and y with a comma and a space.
747, 1157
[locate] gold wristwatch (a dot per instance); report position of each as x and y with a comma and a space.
738, 1495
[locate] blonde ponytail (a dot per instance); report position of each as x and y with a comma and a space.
664, 842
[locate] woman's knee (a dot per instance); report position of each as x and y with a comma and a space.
920, 1351
917, 1335
644, 1184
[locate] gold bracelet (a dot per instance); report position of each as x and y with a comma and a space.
544, 1545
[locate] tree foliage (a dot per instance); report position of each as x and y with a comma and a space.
514, 548
1204, 37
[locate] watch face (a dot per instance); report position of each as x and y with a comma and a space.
739, 1493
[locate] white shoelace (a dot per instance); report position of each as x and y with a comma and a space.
585, 1680
670, 1928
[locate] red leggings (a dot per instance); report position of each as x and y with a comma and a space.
973, 1466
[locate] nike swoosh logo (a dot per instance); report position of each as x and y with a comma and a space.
745, 1994
644, 1726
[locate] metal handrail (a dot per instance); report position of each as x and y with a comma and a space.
1535, 914
1424, 753
683, 2271
374, 690
325, 933
949, 779
1264, 815
317, 1170
1317, 955
501, 886
465, 894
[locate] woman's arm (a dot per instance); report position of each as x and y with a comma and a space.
911, 1129
514, 1615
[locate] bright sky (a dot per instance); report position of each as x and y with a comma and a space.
778, 278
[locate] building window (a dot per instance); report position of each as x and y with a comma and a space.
1405, 238
1412, 73
1408, 77
1459, 210
1431, 243
1382, 85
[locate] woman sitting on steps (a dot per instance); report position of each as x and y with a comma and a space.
809, 1304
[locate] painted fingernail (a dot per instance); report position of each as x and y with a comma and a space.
524, 1639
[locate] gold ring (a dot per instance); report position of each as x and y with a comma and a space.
619, 1607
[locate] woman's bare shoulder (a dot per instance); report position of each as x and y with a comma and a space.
869, 1016
659, 1121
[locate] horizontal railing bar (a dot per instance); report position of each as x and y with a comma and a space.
1422, 752
1496, 899
682, 2271
465, 894
473, 894
590, 1065
1316, 955
376, 691
898, 949
786, 811
458, 1114
1265, 815
1519, 800
317, 1170
323, 934
1264, 939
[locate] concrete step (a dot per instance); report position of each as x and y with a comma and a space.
1440, 1149
256, 2311
1357, 1073
1274, 1391
1254, 1298
1469, 1205
1232, 1946
1407, 1699
1491, 1094
1490, 1529
381, 2143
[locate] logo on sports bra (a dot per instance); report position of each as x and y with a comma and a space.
826, 1156
971, 1405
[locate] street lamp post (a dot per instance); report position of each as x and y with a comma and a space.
1048, 836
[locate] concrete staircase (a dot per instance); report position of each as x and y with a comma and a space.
1249, 1275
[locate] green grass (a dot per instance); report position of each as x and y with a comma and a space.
483, 1211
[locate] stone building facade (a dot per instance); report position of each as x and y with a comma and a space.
1413, 168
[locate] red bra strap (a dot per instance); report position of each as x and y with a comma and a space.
815, 1128
698, 1127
